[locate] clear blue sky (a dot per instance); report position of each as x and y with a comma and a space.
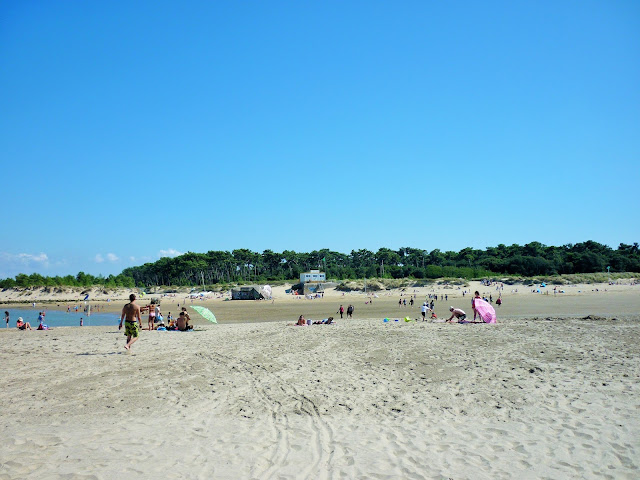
309, 125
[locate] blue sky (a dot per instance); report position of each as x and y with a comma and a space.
309, 125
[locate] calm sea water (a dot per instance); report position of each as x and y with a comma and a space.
56, 318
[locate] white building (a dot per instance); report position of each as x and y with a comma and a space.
313, 276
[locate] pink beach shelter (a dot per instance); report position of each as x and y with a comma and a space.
486, 311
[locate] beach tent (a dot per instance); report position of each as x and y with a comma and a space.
266, 291
486, 311
246, 293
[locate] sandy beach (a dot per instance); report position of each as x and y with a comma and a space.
551, 391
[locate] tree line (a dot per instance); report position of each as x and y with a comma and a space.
80, 280
246, 266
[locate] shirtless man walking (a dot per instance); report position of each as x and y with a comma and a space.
131, 312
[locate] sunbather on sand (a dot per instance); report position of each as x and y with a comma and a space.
23, 325
302, 322
326, 321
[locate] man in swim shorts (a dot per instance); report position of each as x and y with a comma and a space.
131, 312
459, 314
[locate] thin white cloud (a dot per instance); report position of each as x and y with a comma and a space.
24, 258
110, 257
132, 259
27, 257
169, 253
14, 263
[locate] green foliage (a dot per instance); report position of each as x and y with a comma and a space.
80, 280
215, 269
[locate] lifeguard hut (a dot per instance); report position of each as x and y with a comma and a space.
313, 276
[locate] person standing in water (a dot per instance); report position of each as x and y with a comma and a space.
131, 312
6, 317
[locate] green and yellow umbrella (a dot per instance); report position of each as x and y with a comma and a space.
205, 312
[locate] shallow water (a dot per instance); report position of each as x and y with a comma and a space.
55, 318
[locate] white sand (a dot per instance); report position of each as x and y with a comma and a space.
363, 399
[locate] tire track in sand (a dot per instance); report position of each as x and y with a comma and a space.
274, 392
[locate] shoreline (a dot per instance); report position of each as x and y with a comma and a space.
578, 301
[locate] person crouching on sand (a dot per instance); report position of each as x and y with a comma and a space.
458, 314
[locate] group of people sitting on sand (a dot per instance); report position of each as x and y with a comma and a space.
156, 320
303, 322
181, 323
